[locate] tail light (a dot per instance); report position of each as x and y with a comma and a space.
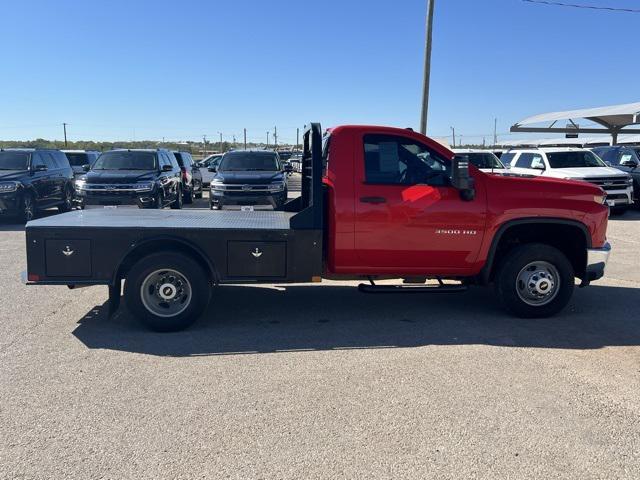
184, 173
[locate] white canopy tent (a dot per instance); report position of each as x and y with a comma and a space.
612, 120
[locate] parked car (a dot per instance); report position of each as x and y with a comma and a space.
79, 158
140, 177
485, 160
249, 177
626, 159
203, 165
31, 180
191, 177
296, 162
574, 164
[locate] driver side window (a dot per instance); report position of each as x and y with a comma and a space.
395, 160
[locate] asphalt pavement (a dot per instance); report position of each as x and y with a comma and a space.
321, 381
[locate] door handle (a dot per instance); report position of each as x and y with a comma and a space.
373, 200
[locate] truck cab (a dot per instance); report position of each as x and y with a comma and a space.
376, 203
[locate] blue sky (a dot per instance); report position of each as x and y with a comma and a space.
179, 69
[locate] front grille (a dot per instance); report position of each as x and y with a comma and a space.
609, 183
246, 188
112, 188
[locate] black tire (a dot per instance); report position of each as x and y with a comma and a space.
27, 209
67, 202
177, 203
511, 289
188, 196
199, 192
198, 281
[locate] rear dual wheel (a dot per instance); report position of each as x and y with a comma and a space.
166, 291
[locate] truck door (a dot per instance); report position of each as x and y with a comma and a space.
43, 181
408, 217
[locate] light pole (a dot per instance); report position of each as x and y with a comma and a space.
64, 125
267, 139
453, 135
427, 68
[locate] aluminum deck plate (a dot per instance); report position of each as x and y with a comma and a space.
138, 218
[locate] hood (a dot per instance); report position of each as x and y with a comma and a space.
249, 178
118, 176
585, 172
12, 174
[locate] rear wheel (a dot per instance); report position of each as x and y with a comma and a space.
535, 281
167, 291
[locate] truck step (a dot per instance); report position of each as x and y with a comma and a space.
440, 288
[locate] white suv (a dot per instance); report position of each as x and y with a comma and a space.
574, 164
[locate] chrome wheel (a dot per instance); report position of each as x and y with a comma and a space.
27, 208
166, 293
538, 283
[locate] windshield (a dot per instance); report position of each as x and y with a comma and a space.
249, 162
580, 159
78, 159
126, 161
483, 159
14, 160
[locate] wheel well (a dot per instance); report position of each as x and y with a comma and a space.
570, 239
165, 245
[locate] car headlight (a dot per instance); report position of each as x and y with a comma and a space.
6, 187
629, 180
218, 186
276, 187
599, 199
143, 186
80, 184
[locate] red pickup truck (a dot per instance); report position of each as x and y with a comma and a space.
376, 203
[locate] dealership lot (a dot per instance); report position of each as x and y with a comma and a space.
322, 382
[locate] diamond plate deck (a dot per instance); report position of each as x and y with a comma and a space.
171, 219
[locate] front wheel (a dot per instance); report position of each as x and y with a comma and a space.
67, 201
27, 209
535, 281
167, 291
177, 203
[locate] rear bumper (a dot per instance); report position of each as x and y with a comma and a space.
597, 259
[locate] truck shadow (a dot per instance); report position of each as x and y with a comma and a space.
250, 320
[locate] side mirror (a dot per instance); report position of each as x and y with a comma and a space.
86, 167
167, 168
632, 163
40, 168
460, 179
288, 168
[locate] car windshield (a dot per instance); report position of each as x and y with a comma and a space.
126, 161
77, 159
579, 159
249, 161
483, 159
14, 160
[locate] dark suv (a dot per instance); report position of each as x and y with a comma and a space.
626, 159
191, 177
34, 179
79, 158
249, 177
146, 178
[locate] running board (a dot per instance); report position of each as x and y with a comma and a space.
440, 288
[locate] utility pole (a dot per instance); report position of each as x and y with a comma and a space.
427, 68
220, 142
297, 137
453, 135
204, 143
64, 126
267, 139
275, 137
495, 132
245, 138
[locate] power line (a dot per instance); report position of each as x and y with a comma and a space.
588, 7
